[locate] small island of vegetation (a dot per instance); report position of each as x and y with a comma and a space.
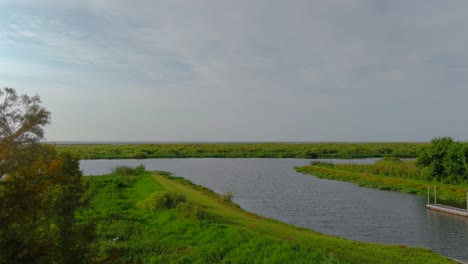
442, 163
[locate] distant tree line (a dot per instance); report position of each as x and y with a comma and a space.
244, 150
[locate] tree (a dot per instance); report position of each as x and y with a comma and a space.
446, 160
40, 190
21, 122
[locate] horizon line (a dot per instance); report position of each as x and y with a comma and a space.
130, 142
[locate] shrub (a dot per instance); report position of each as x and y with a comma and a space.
190, 211
227, 197
139, 169
127, 170
446, 160
161, 200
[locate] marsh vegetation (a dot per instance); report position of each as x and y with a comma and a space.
244, 150
442, 163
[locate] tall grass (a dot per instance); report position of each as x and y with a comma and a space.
390, 167
390, 175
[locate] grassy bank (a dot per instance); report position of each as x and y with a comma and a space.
244, 150
408, 182
202, 227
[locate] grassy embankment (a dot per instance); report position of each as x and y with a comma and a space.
400, 176
244, 150
208, 229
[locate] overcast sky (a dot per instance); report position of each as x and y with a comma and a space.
119, 70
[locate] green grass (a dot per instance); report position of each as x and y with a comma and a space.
244, 150
390, 167
449, 194
225, 233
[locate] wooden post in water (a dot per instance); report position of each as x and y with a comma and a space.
435, 194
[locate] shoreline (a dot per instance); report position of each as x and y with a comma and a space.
454, 195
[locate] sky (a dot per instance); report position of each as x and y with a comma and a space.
244, 70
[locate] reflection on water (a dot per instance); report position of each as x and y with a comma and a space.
271, 188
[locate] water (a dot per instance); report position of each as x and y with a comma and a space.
271, 188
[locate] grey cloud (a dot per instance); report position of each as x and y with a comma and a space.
261, 70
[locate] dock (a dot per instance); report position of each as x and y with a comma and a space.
444, 208
448, 209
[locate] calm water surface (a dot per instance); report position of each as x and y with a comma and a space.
271, 188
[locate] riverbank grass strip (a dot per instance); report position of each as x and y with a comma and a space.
341, 249
454, 195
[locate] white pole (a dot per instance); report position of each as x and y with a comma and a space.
428, 201
435, 194
466, 201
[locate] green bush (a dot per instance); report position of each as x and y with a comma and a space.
227, 197
189, 211
122, 170
162, 200
445, 159
127, 170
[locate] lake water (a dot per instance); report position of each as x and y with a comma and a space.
271, 188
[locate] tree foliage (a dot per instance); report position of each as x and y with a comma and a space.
446, 160
40, 190
22, 119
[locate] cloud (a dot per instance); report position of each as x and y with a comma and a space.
237, 64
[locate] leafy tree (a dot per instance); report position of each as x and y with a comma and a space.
455, 163
21, 122
446, 160
40, 191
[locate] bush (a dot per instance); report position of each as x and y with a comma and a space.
446, 160
127, 170
190, 211
227, 197
161, 200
